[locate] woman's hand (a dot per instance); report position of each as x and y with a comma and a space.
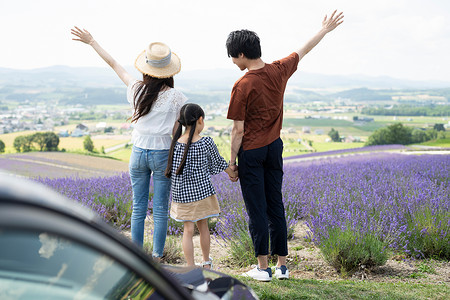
333, 22
83, 35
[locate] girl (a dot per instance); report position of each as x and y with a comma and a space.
156, 106
192, 161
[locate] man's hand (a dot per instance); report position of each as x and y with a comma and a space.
333, 22
327, 26
83, 35
233, 175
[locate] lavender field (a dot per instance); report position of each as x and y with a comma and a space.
403, 201
400, 201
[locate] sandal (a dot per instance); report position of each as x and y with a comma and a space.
208, 263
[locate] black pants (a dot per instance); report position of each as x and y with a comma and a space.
261, 177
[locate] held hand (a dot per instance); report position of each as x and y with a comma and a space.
333, 22
234, 177
83, 35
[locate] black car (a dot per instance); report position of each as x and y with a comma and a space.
53, 248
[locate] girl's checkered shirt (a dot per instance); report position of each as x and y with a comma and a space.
203, 160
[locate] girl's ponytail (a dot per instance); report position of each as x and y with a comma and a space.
186, 149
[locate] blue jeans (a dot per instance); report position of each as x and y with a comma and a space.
144, 163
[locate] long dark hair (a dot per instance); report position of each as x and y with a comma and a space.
146, 93
189, 114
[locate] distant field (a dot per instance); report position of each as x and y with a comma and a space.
223, 144
122, 154
69, 143
292, 145
76, 143
59, 164
322, 147
219, 121
411, 120
444, 143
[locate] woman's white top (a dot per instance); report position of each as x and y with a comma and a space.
154, 130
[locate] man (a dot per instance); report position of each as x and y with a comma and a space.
256, 108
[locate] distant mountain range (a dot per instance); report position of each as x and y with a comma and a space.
202, 80
81, 85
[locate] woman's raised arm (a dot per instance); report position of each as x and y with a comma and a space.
84, 36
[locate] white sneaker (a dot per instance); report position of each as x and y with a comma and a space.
282, 272
259, 274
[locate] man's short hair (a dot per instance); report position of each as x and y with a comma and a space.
245, 42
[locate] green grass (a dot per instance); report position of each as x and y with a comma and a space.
95, 154
345, 289
372, 126
445, 143
219, 121
223, 145
323, 146
121, 154
293, 122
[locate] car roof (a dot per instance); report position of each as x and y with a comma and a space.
30, 192
27, 205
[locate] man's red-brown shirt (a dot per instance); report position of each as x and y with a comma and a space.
257, 99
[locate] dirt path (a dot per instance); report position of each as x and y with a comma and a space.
306, 262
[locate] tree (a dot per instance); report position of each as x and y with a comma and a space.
109, 129
393, 134
439, 127
334, 135
379, 137
419, 136
431, 134
45, 141
39, 139
2, 146
399, 134
23, 143
51, 141
18, 143
88, 144
441, 135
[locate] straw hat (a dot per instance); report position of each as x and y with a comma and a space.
158, 61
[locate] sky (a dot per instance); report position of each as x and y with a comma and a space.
408, 39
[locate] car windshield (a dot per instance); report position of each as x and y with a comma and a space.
38, 265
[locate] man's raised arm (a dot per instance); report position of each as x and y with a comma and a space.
327, 26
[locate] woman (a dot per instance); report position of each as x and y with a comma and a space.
156, 105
